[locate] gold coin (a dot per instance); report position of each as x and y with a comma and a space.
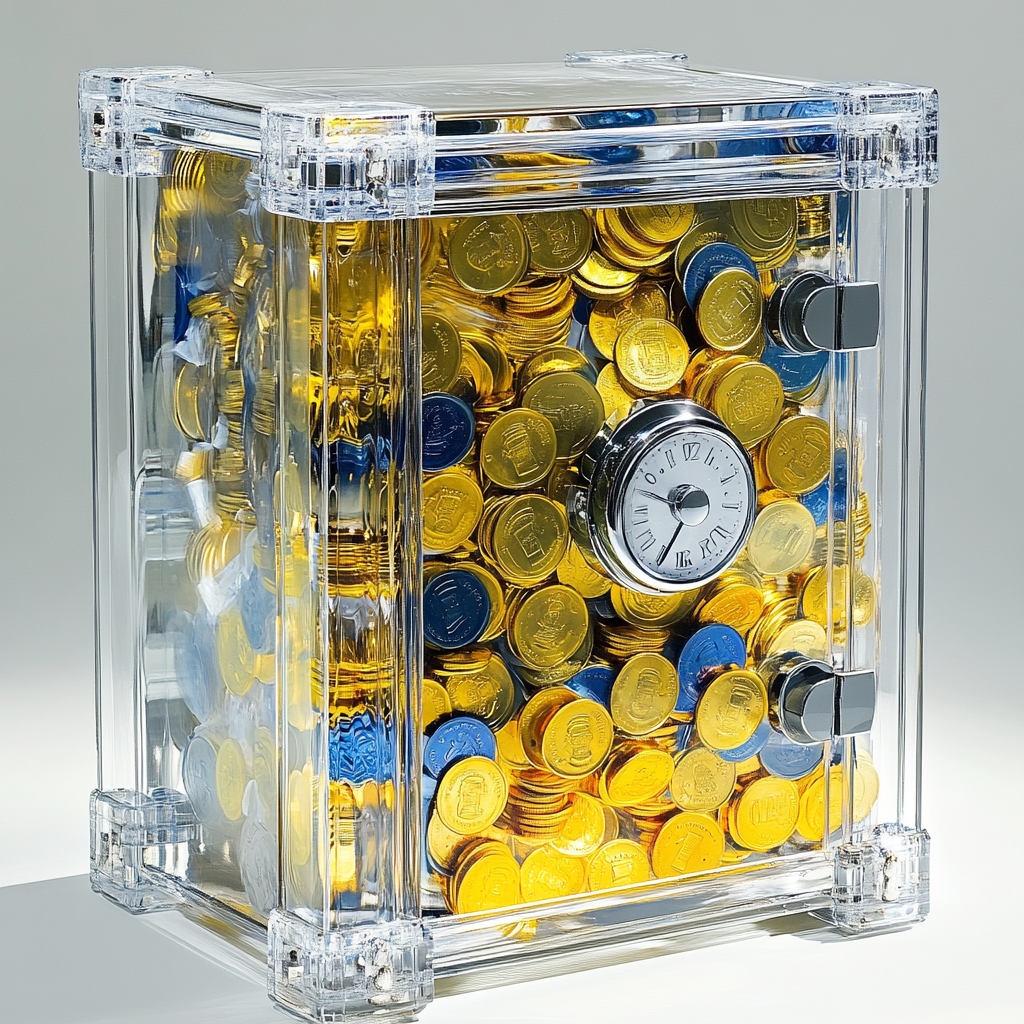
232, 778
490, 882
619, 862
530, 539
609, 319
748, 399
518, 449
651, 355
652, 611
551, 624
797, 455
559, 240
729, 310
510, 746
471, 795
766, 228
584, 830
235, 655
452, 505
617, 400
661, 224
577, 738
489, 694
865, 787
576, 572
730, 709
534, 714
440, 352
686, 843
737, 605
553, 359
598, 278
573, 406
643, 694
811, 819
805, 636
435, 702
548, 875
637, 776
488, 255
765, 814
781, 538
701, 780
443, 845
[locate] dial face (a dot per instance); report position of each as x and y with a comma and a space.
686, 506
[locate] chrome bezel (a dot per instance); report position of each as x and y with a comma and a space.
649, 423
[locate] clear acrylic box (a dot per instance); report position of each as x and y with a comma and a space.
478, 454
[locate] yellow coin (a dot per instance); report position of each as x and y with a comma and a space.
518, 449
814, 596
490, 882
735, 604
620, 862
638, 777
577, 739
531, 537
510, 746
548, 875
553, 359
559, 240
662, 224
488, 255
609, 319
471, 795
235, 655
865, 787
748, 399
443, 845
651, 355
730, 709
797, 455
452, 504
573, 406
686, 843
440, 352
643, 694
805, 636
232, 778
617, 401
781, 538
583, 831
435, 702
535, 713
264, 766
489, 694
576, 572
551, 624
729, 310
701, 780
811, 820
765, 814
766, 228
300, 816
598, 278
652, 611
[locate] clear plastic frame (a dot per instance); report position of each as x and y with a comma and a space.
378, 699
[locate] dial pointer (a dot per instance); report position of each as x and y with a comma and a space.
668, 546
657, 497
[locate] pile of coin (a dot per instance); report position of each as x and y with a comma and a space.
626, 736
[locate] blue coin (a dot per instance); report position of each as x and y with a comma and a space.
788, 760
750, 748
820, 142
816, 501
683, 734
455, 739
358, 749
618, 118
258, 608
709, 260
448, 431
796, 372
185, 290
602, 607
456, 609
594, 682
581, 309
710, 647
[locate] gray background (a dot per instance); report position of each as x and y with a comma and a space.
956, 963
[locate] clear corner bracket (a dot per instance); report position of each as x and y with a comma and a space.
131, 833
107, 118
882, 880
374, 968
889, 135
349, 163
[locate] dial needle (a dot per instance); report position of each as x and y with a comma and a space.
658, 497
668, 546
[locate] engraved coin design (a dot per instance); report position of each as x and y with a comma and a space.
471, 795
518, 449
651, 355
765, 815
701, 780
452, 504
781, 538
686, 843
577, 738
730, 309
488, 255
560, 240
644, 693
796, 456
730, 709
620, 862
573, 406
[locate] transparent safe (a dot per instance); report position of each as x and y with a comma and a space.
508, 501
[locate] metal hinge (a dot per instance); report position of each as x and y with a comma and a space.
813, 313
